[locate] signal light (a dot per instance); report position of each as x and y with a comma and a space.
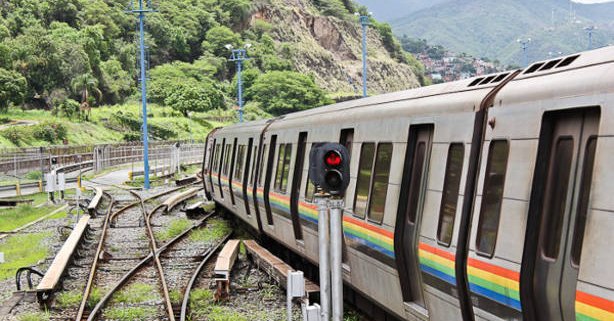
329, 167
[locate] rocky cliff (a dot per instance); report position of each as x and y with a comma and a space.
330, 48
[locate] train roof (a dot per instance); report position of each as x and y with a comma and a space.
454, 96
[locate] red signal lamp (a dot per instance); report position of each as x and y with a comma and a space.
333, 158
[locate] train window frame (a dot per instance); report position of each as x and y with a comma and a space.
358, 178
285, 169
216, 159
262, 171
281, 153
226, 165
583, 206
239, 163
552, 237
452, 185
487, 186
254, 163
372, 186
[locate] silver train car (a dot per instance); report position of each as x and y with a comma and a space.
488, 198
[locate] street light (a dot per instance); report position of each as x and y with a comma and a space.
524, 43
238, 56
590, 30
365, 21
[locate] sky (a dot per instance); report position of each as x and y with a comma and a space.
592, 1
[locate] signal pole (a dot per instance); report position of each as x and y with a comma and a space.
142, 10
364, 23
590, 30
238, 56
525, 44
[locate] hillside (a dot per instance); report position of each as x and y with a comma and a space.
390, 10
485, 28
61, 59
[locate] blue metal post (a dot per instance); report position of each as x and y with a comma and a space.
525, 45
143, 78
364, 22
238, 56
144, 95
240, 91
590, 30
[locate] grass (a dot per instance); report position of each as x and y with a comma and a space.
35, 316
69, 299
94, 298
175, 296
200, 301
98, 131
130, 313
221, 313
22, 214
22, 250
216, 229
136, 293
175, 228
37, 199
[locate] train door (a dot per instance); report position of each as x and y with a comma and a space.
267, 179
212, 157
231, 164
413, 188
246, 175
561, 194
221, 168
296, 185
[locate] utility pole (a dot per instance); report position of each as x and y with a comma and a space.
238, 56
364, 23
142, 10
524, 43
590, 30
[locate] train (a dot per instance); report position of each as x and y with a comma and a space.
487, 198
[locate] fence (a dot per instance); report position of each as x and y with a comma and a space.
18, 161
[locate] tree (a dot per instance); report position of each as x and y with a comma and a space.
193, 96
12, 88
282, 92
83, 85
218, 37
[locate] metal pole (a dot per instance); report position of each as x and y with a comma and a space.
143, 78
364, 22
336, 236
323, 239
240, 93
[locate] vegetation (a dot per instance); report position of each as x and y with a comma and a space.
136, 293
22, 214
122, 313
22, 250
69, 299
35, 316
216, 229
94, 297
175, 228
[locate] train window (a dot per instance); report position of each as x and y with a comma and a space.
534, 67
487, 80
261, 170
278, 169
550, 64
226, 160
585, 191
475, 82
285, 169
216, 158
239, 163
309, 191
363, 181
379, 185
346, 139
449, 198
255, 158
556, 196
492, 197
567, 61
500, 77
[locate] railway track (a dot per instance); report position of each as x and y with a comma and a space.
130, 253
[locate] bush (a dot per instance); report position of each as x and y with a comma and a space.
13, 134
49, 131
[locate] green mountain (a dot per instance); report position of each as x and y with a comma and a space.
490, 29
389, 10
